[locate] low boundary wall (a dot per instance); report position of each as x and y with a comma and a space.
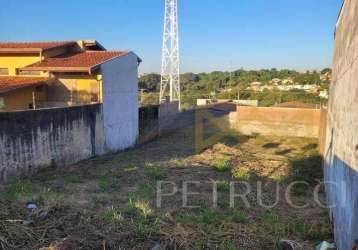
279, 121
36, 139
31, 140
165, 118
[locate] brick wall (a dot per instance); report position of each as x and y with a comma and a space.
278, 121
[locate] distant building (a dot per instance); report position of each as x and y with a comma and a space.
323, 94
203, 102
276, 81
255, 84
266, 87
326, 77
288, 81
285, 87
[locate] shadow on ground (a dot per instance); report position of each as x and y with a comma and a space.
110, 202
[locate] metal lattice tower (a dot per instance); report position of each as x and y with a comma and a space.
170, 54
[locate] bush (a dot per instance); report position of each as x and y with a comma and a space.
222, 165
241, 174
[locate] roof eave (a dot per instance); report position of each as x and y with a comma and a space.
57, 69
94, 67
22, 50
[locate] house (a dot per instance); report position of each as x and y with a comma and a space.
37, 75
255, 86
326, 77
323, 94
288, 81
55, 74
285, 87
266, 87
276, 81
341, 150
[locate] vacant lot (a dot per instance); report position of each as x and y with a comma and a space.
111, 202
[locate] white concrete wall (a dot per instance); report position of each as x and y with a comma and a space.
341, 152
120, 102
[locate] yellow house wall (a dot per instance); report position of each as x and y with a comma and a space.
79, 89
21, 98
12, 62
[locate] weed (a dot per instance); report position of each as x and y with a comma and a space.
177, 161
223, 186
269, 217
21, 189
111, 215
309, 231
241, 174
222, 165
104, 183
144, 229
238, 216
154, 172
209, 216
278, 177
277, 244
100, 199
107, 183
143, 191
130, 169
72, 178
227, 245
143, 207
185, 218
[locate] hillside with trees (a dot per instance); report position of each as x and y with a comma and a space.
229, 85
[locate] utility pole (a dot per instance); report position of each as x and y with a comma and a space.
170, 73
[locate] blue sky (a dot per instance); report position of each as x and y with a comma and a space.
214, 34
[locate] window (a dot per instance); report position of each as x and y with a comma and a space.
2, 103
4, 71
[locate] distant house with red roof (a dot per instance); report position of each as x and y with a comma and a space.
58, 74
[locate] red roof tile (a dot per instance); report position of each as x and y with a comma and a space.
8, 84
83, 61
33, 46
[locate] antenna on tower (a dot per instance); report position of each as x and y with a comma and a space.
170, 74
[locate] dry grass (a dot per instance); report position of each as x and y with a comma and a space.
110, 202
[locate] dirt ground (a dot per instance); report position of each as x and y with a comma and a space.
112, 202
